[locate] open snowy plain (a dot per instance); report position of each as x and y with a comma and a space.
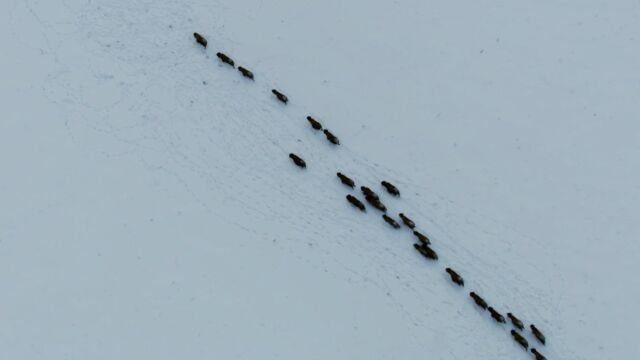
149, 209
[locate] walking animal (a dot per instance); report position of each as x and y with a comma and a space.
314, 123
355, 202
391, 221
515, 321
332, 138
478, 300
346, 180
225, 59
537, 354
426, 251
407, 221
200, 39
282, 97
423, 238
297, 160
368, 192
376, 203
390, 188
246, 73
496, 315
538, 334
520, 339
455, 277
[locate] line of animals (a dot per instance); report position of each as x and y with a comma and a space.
423, 244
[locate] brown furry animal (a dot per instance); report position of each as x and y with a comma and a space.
496, 315
314, 123
390, 188
538, 334
407, 221
246, 73
225, 59
426, 251
368, 192
423, 238
537, 354
376, 203
200, 39
455, 277
332, 138
355, 202
390, 221
478, 300
298, 161
282, 97
515, 321
520, 339
346, 180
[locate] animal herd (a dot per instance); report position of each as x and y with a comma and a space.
424, 244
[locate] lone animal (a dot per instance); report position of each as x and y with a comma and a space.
282, 97
200, 39
355, 202
520, 339
225, 59
496, 315
538, 334
455, 277
423, 238
407, 221
479, 301
426, 251
390, 188
346, 180
332, 138
376, 203
515, 321
391, 221
297, 160
537, 354
368, 192
314, 123
246, 73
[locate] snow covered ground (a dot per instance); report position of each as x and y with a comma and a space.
150, 211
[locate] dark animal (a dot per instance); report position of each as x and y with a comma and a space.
538, 334
200, 39
407, 221
376, 203
282, 97
515, 321
246, 73
225, 59
520, 339
332, 138
455, 277
391, 221
479, 301
355, 202
390, 188
426, 251
297, 160
346, 180
314, 123
496, 315
537, 354
368, 192
423, 238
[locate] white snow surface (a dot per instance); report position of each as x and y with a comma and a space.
150, 210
